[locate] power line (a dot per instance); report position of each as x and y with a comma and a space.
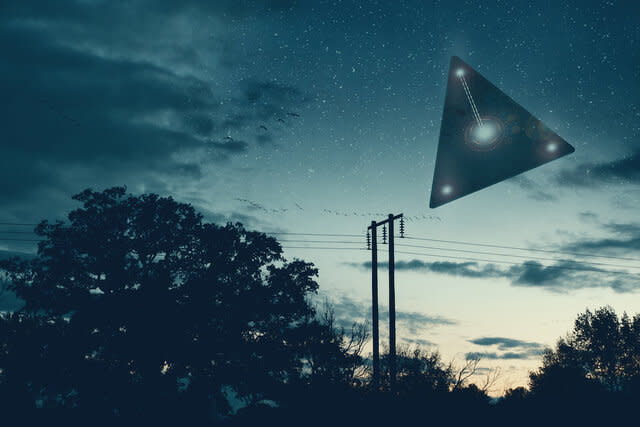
318, 247
321, 241
458, 242
17, 224
585, 263
456, 250
313, 234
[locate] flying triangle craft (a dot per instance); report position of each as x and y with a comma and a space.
486, 137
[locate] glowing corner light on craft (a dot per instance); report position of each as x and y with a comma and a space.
460, 72
552, 147
446, 190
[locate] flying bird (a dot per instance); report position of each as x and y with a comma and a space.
280, 120
263, 127
57, 110
293, 114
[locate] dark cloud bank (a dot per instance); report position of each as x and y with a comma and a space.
563, 275
348, 311
93, 96
505, 349
625, 170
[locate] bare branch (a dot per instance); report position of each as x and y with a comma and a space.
490, 380
463, 374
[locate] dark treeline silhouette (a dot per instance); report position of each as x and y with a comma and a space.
590, 377
139, 312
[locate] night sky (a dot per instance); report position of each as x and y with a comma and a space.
321, 116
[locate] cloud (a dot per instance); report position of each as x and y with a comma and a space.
507, 349
229, 146
503, 356
415, 322
567, 275
106, 99
561, 276
505, 343
533, 273
588, 216
624, 170
534, 190
420, 342
232, 8
348, 310
625, 239
463, 269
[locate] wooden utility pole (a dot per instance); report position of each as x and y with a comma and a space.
392, 308
392, 300
374, 306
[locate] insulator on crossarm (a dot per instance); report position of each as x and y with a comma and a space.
368, 241
402, 227
384, 234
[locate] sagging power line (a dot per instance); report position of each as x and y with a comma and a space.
466, 243
578, 265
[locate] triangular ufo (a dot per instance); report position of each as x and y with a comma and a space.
486, 137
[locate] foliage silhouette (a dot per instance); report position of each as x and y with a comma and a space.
138, 311
136, 306
601, 353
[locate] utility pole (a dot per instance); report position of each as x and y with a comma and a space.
374, 306
392, 309
392, 298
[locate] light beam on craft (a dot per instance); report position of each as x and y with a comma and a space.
484, 133
467, 91
486, 137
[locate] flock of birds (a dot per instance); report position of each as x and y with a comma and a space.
263, 127
259, 207
56, 110
279, 120
262, 208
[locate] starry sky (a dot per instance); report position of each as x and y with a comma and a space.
320, 116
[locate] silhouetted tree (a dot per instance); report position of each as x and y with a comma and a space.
517, 394
602, 351
419, 372
331, 354
139, 306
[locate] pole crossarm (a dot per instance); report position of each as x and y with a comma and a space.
376, 223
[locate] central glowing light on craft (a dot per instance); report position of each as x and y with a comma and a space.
484, 135
552, 147
485, 132
459, 72
447, 190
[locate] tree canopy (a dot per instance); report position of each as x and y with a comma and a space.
138, 309
602, 351
137, 297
